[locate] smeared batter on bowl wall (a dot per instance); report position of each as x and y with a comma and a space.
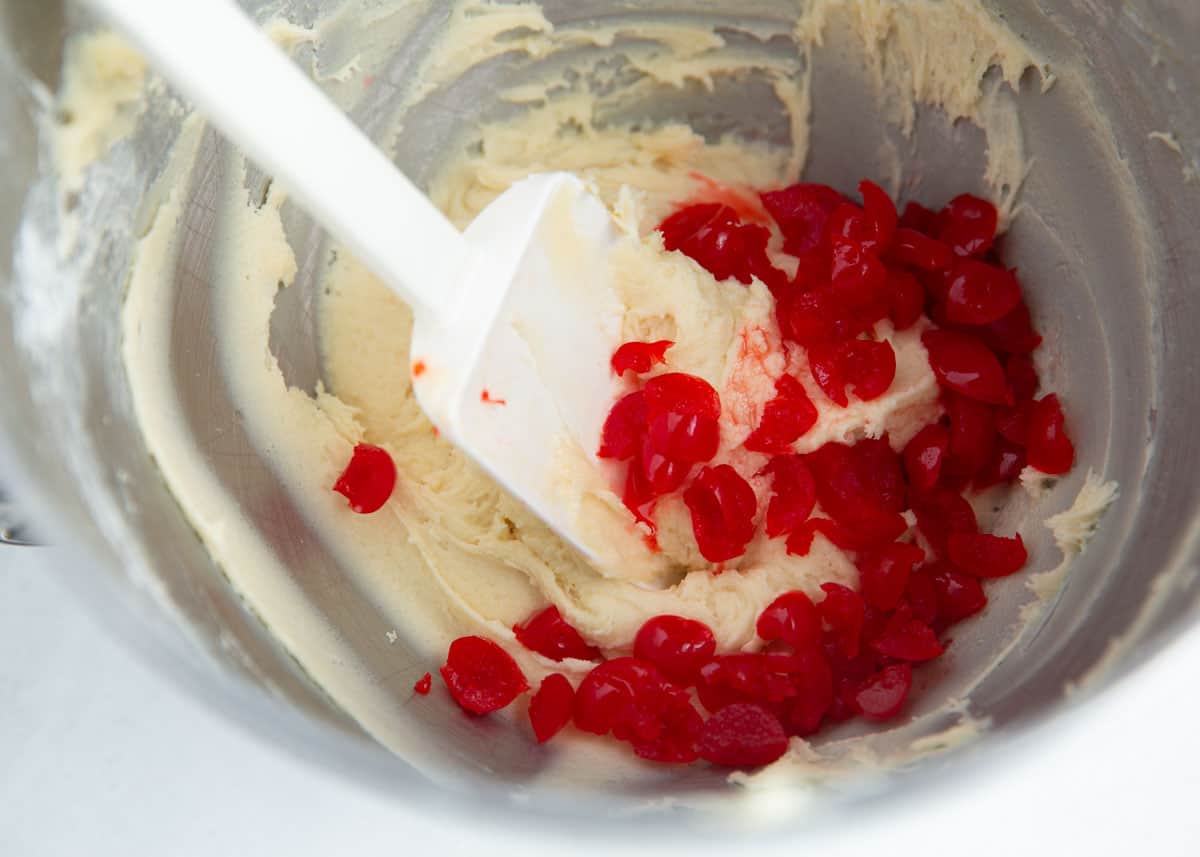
451, 553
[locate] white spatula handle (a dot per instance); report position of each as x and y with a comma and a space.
257, 96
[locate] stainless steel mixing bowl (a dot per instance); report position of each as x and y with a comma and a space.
1106, 245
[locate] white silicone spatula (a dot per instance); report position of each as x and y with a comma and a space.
514, 320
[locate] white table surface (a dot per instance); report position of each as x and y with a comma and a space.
99, 755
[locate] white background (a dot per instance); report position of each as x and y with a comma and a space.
99, 755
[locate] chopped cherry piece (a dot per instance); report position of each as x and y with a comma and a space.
722, 504
677, 734
677, 646
713, 236
924, 454
728, 679
817, 315
865, 532
802, 211
867, 367
1049, 448
1003, 467
785, 418
984, 555
624, 428
742, 736
549, 634
907, 299
842, 612
941, 512
811, 681
980, 293
423, 685
793, 494
1012, 424
883, 695
907, 638
792, 618
917, 250
481, 676
684, 438
640, 357
1012, 334
972, 435
968, 225
623, 694
859, 278
551, 707
1022, 377
959, 594
662, 474
859, 481
368, 480
884, 573
679, 393
921, 595
921, 219
965, 365
880, 212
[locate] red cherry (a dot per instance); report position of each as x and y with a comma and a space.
792, 618
684, 438
423, 685
817, 315
729, 679
679, 393
811, 683
959, 594
1003, 467
980, 293
941, 512
883, 695
549, 634
713, 236
965, 365
677, 646
1022, 377
793, 494
859, 481
1049, 448
920, 594
880, 212
968, 225
785, 418
842, 612
907, 301
908, 639
640, 357
1012, 334
481, 676
924, 454
624, 428
742, 736
867, 367
802, 211
921, 219
722, 504
368, 480
551, 707
917, 250
984, 555
622, 693
1012, 424
884, 573
678, 733
661, 473
972, 435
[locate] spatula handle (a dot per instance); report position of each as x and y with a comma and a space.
242, 82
